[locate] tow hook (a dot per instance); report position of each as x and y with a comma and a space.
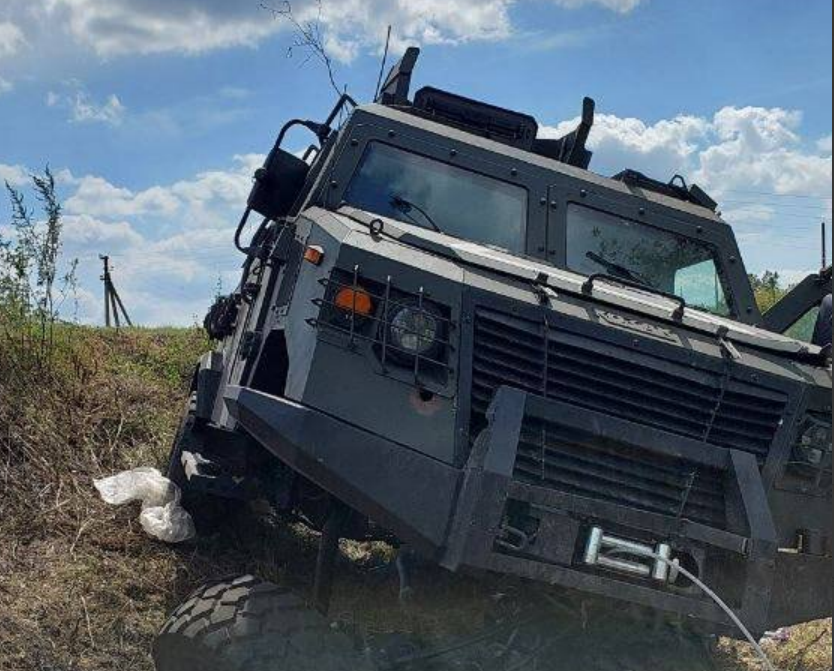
629, 557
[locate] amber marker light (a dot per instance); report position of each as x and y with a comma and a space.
314, 255
356, 301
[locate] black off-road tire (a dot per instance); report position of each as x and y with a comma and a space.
250, 625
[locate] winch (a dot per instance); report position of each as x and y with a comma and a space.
610, 552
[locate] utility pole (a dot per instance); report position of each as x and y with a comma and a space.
824, 245
112, 301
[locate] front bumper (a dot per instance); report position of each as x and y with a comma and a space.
484, 517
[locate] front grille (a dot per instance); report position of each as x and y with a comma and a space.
552, 457
685, 400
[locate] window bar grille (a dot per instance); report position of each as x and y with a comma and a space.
545, 385
422, 314
355, 290
385, 322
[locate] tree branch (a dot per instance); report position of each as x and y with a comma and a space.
309, 37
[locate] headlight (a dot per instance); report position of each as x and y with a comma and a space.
814, 444
416, 331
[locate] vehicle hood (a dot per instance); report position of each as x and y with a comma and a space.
558, 280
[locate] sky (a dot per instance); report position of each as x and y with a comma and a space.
153, 114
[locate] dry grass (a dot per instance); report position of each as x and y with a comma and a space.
82, 589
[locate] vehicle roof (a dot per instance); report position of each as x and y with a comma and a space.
485, 144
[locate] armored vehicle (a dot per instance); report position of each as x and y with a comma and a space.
450, 335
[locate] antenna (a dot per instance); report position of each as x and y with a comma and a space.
824, 245
384, 63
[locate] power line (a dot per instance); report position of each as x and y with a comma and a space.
805, 196
736, 218
774, 205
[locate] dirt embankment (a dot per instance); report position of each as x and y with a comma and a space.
82, 589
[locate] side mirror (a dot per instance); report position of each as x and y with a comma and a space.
278, 185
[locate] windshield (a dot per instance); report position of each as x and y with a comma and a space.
416, 190
603, 243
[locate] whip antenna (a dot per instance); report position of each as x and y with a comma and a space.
384, 63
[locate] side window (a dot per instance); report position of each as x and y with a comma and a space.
803, 330
700, 287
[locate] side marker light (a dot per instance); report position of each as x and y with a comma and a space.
314, 255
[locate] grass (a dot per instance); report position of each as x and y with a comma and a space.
83, 589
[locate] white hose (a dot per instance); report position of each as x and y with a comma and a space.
675, 566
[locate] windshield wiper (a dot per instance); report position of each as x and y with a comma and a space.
405, 206
618, 270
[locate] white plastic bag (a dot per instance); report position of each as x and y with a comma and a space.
778, 637
163, 516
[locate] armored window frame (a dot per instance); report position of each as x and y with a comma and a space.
614, 222
552, 186
365, 129
483, 230
569, 190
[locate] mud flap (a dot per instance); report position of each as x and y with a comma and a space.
207, 382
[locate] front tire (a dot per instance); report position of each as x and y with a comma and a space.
250, 625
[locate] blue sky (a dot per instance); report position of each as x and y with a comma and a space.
155, 112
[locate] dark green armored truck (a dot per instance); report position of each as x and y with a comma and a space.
450, 335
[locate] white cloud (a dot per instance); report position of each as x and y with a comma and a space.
117, 27
169, 243
756, 128
351, 27
750, 213
15, 175
737, 149
95, 196
354, 26
199, 202
621, 6
83, 232
666, 147
773, 185
5, 86
83, 108
12, 39
113, 28
760, 149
